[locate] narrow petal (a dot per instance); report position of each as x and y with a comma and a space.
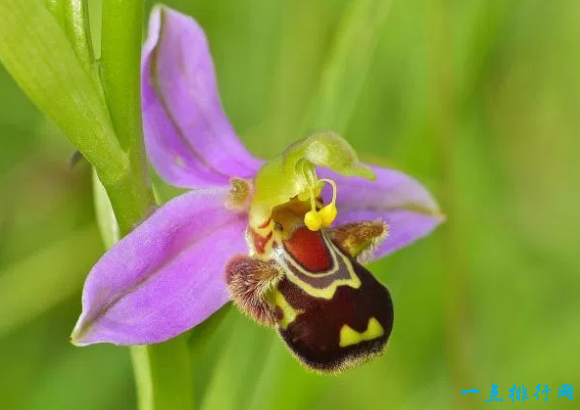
166, 276
188, 136
402, 202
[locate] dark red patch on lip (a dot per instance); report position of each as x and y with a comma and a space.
309, 249
260, 241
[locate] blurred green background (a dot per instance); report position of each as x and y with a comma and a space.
479, 99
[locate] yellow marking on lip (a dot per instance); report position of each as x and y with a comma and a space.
349, 336
289, 313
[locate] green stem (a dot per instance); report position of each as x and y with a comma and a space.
163, 371
131, 197
121, 60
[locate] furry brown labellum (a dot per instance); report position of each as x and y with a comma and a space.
330, 311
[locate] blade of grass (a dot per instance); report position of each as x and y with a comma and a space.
348, 62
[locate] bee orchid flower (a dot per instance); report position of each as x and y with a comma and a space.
284, 239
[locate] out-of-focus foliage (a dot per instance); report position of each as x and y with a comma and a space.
479, 99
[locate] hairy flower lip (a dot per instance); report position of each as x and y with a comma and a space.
192, 144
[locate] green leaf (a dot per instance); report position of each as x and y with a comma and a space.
73, 18
347, 65
55, 7
76, 25
104, 214
38, 54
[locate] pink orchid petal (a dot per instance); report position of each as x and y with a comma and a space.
164, 277
396, 198
187, 134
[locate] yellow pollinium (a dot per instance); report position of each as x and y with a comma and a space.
328, 214
349, 336
314, 219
